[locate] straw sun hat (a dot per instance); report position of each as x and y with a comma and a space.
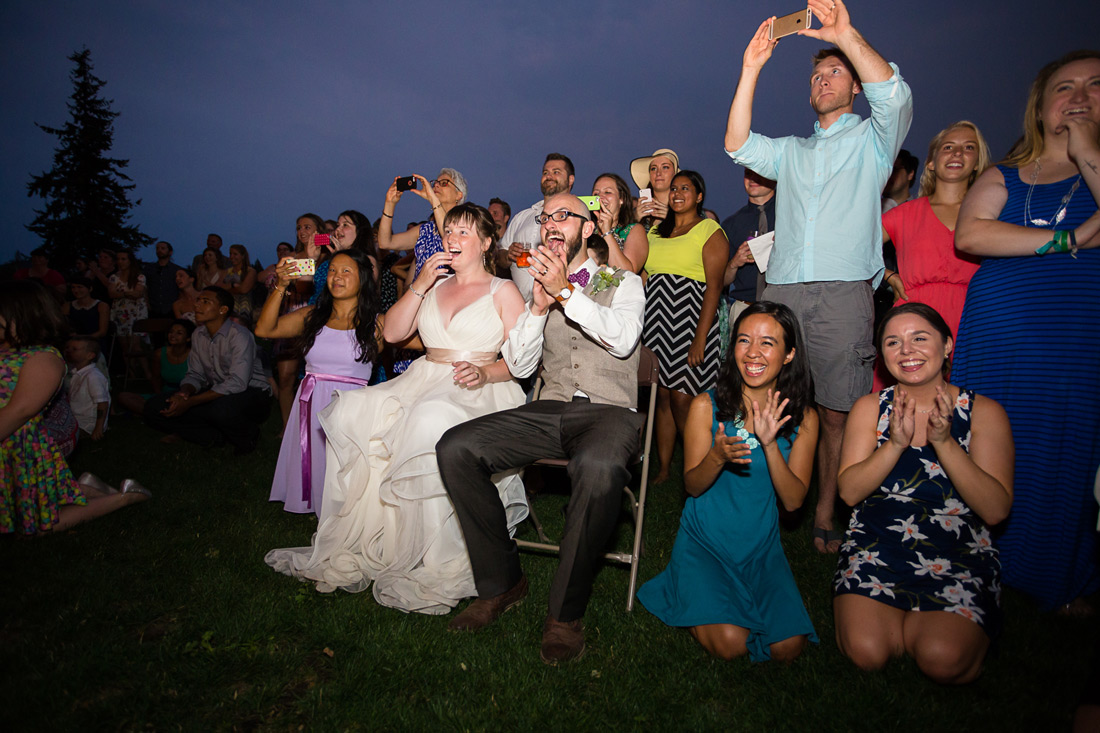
639, 167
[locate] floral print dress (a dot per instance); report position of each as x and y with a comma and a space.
914, 544
125, 312
34, 477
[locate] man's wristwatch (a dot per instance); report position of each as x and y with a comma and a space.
565, 293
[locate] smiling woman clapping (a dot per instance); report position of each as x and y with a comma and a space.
927, 466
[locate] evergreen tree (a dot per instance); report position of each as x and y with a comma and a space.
86, 192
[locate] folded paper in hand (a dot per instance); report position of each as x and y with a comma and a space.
761, 248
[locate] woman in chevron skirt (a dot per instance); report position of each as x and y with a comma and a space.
687, 255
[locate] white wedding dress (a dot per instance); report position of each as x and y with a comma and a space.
385, 516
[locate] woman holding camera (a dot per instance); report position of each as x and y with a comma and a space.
443, 194
627, 246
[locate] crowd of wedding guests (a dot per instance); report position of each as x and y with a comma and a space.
961, 425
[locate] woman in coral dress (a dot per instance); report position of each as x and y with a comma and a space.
930, 269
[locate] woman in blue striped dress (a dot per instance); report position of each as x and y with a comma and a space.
1029, 337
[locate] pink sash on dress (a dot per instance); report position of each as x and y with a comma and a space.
450, 356
305, 403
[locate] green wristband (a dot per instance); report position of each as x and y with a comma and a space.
1063, 241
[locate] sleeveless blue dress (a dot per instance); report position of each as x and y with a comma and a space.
914, 544
728, 565
1029, 339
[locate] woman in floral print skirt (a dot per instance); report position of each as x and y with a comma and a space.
38, 493
928, 467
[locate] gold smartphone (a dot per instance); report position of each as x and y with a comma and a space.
790, 24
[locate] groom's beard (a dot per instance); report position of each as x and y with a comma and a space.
573, 248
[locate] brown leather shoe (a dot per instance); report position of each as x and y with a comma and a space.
562, 641
485, 611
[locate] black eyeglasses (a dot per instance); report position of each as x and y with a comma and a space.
443, 182
558, 216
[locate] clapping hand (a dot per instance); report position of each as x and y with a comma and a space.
903, 419
767, 421
939, 419
550, 272
729, 448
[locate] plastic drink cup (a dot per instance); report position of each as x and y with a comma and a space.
524, 257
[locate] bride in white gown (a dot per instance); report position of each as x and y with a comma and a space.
385, 516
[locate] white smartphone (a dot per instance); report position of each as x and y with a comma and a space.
645, 193
790, 24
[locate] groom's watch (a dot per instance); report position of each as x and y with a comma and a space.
565, 293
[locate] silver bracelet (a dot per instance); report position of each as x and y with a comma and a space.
415, 292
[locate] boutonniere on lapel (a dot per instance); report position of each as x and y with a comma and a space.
605, 278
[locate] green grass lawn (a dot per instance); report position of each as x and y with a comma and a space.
164, 616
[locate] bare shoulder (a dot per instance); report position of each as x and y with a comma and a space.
988, 188
41, 366
867, 404
506, 292
986, 411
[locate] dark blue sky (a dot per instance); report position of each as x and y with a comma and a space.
238, 116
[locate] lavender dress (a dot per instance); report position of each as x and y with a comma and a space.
332, 355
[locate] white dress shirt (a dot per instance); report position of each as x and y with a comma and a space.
618, 326
523, 228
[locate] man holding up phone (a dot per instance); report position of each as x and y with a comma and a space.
827, 258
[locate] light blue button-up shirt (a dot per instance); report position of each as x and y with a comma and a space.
828, 211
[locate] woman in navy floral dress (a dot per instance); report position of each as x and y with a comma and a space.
928, 466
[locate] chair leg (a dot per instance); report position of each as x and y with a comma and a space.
635, 556
534, 517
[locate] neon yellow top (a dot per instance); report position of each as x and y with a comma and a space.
681, 255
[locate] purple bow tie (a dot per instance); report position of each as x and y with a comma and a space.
580, 277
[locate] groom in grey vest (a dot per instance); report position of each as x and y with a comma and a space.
583, 323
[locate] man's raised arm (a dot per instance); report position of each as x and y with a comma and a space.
756, 55
836, 28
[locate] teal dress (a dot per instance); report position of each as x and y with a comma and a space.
728, 565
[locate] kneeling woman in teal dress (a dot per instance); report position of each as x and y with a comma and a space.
748, 441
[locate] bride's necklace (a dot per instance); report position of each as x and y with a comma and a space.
1060, 213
